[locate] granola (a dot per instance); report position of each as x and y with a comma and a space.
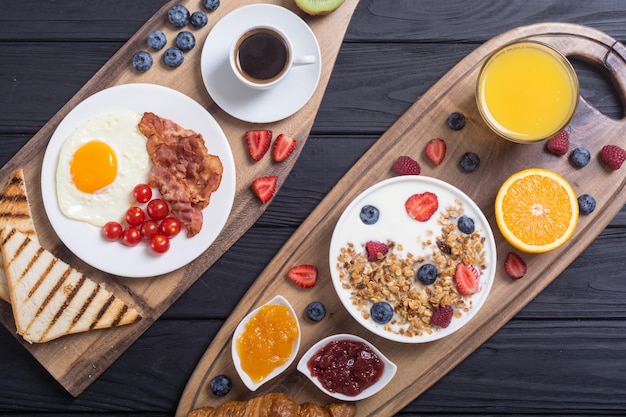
392, 278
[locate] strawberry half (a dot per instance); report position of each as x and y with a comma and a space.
303, 275
283, 146
258, 142
421, 207
514, 265
376, 250
264, 187
436, 150
466, 278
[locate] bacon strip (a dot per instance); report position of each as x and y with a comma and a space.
183, 170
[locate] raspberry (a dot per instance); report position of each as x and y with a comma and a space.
405, 165
613, 156
558, 144
442, 316
374, 249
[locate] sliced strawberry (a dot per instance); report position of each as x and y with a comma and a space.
264, 187
514, 265
466, 279
283, 146
376, 250
304, 275
422, 206
258, 142
436, 150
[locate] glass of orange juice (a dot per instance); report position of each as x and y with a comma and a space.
527, 91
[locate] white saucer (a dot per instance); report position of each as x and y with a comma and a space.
85, 240
245, 103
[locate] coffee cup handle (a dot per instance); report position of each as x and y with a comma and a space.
304, 60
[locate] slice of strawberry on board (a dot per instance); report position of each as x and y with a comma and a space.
304, 275
436, 150
283, 147
422, 206
264, 187
514, 265
466, 278
258, 142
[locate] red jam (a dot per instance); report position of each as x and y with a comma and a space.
346, 367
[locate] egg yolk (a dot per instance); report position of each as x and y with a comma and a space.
93, 166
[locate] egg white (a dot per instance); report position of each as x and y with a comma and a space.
119, 130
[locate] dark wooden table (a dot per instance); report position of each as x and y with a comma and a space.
564, 354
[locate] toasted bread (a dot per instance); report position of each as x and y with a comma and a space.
14, 209
50, 298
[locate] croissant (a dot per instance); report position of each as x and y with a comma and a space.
275, 405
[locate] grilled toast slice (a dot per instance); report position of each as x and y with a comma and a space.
14, 209
50, 298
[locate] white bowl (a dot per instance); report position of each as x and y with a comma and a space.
395, 224
252, 385
389, 369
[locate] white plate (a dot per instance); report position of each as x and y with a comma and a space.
85, 240
395, 224
245, 103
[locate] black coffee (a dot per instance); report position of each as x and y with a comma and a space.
262, 55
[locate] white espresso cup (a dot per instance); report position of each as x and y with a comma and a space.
262, 56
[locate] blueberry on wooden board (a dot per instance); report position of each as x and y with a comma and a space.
157, 39
185, 40
316, 311
199, 19
142, 61
178, 16
173, 57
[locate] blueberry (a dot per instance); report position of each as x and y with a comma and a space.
220, 385
369, 214
381, 312
157, 39
199, 19
142, 61
465, 224
173, 57
178, 16
211, 5
456, 121
185, 40
427, 274
469, 162
580, 157
586, 204
316, 311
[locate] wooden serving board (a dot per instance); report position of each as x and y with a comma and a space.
76, 361
421, 365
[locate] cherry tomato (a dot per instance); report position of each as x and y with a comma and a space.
158, 209
170, 226
112, 231
160, 243
149, 228
135, 216
142, 193
131, 236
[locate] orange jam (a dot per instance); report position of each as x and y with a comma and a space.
267, 341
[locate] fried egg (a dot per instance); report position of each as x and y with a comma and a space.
99, 165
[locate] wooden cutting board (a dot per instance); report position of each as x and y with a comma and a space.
421, 365
76, 361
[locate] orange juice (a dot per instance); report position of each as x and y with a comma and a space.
527, 92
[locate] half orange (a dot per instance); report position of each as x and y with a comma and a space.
536, 210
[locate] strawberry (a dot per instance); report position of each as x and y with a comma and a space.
283, 146
442, 316
422, 206
613, 156
405, 165
436, 150
304, 275
558, 144
264, 187
258, 142
466, 279
514, 265
374, 249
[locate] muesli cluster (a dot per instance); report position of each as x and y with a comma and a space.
395, 277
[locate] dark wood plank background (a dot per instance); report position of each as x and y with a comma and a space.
564, 354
